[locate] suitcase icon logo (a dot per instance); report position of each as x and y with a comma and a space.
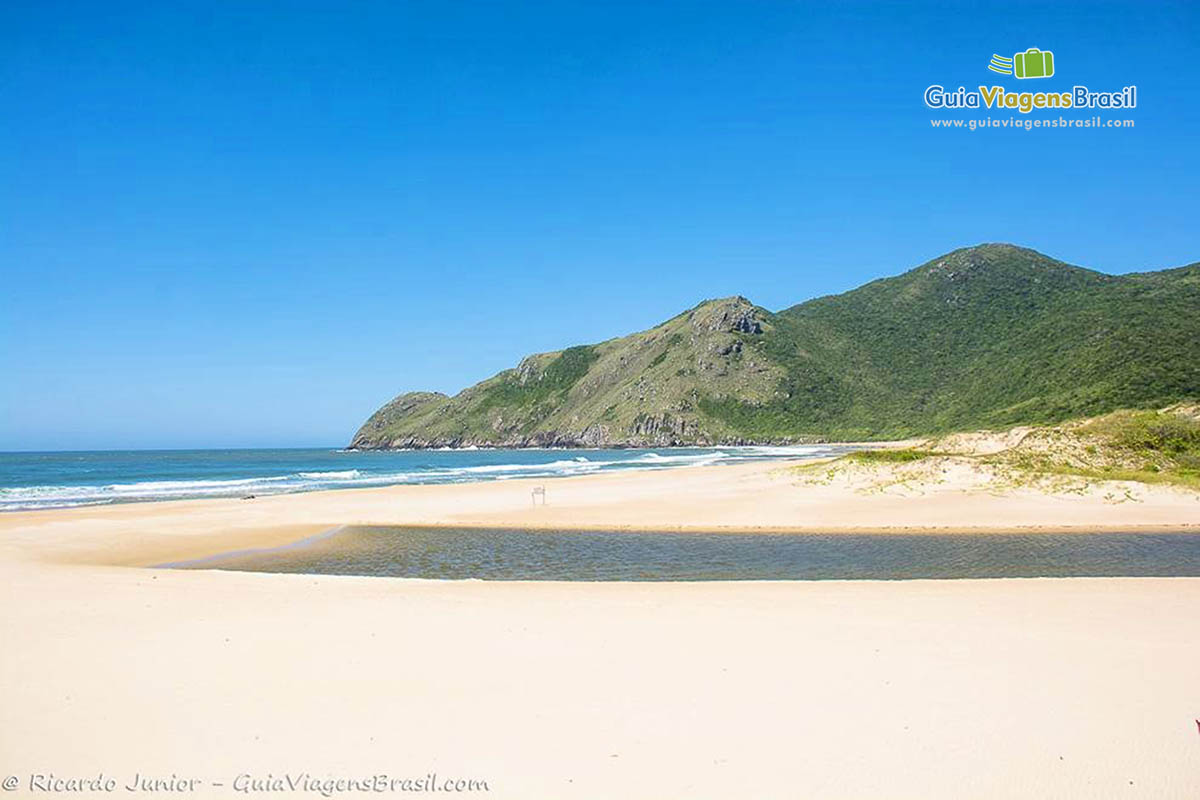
1033, 63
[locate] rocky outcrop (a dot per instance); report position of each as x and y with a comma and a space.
731, 315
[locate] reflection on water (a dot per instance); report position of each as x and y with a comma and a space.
601, 556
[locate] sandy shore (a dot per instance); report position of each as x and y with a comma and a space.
755, 496
922, 689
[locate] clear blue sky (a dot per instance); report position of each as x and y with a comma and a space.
251, 224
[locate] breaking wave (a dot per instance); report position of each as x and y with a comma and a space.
72, 487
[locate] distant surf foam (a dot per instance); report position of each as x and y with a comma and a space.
31, 481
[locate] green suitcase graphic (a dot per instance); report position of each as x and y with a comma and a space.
1034, 63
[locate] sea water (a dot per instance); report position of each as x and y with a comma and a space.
63, 479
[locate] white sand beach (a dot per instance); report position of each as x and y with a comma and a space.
997, 688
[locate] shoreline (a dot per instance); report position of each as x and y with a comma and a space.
755, 497
251, 486
249, 491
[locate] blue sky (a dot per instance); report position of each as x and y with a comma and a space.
240, 224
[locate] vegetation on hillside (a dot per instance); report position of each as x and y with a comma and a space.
982, 338
516, 390
986, 337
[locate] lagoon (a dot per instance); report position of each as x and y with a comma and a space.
520, 555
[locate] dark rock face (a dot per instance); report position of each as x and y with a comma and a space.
663, 428
746, 322
595, 436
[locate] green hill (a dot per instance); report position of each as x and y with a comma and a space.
982, 337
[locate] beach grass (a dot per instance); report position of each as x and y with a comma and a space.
1161, 447
1149, 447
901, 456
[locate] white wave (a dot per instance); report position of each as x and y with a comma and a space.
682, 458
552, 465
61, 496
785, 451
186, 485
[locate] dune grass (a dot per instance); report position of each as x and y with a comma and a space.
1151, 447
1144, 446
889, 456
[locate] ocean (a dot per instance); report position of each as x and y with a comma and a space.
31, 481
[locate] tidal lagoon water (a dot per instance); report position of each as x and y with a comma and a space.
517, 555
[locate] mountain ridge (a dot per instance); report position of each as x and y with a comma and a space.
983, 336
